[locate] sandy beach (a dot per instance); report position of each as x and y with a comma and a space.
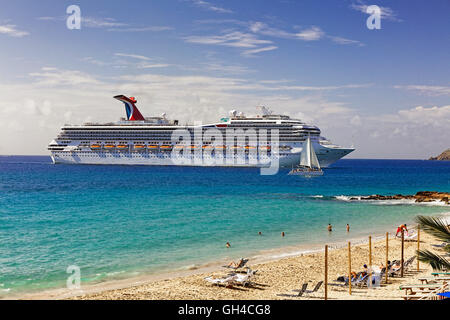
275, 277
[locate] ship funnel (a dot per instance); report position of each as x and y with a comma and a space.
132, 111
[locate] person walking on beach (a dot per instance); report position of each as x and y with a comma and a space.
348, 228
330, 228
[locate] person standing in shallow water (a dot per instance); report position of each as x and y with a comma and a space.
228, 245
330, 228
348, 228
282, 234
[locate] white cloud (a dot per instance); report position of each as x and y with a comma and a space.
209, 6
250, 37
251, 52
142, 29
311, 34
345, 41
53, 76
110, 24
386, 12
427, 90
232, 39
135, 56
97, 22
153, 65
11, 30
418, 132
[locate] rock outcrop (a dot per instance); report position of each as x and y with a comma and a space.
421, 196
443, 156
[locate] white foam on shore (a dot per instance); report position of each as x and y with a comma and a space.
391, 201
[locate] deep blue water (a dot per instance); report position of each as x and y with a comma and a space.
118, 221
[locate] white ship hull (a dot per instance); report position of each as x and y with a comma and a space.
326, 157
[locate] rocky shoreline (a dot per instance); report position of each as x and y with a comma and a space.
444, 156
421, 196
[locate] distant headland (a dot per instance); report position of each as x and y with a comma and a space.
443, 156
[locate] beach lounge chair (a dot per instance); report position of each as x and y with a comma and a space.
299, 294
239, 265
315, 289
227, 281
243, 279
430, 280
439, 274
411, 237
361, 281
417, 291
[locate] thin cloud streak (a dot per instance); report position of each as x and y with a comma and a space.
12, 31
209, 6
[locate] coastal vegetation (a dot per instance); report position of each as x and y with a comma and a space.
440, 229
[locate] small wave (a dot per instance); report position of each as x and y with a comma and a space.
292, 254
317, 196
390, 201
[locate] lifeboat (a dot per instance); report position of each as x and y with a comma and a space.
152, 146
166, 147
265, 148
139, 147
122, 146
220, 147
249, 147
208, 147
95, 146
110, 146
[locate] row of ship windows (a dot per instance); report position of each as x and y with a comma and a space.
146, 155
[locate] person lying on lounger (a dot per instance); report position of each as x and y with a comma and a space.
396, 266
345, 279
233, 264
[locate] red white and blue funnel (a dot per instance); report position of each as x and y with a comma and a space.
132, 111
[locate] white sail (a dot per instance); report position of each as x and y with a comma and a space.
309, 164
305, 157
314, 160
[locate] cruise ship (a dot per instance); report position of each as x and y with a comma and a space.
236, 140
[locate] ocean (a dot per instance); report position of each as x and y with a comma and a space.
118, 222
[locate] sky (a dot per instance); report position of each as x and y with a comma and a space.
385, 91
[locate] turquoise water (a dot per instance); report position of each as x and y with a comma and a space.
121, 221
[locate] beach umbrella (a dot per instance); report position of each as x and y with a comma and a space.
445, 294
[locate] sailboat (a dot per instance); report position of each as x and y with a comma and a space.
309, 164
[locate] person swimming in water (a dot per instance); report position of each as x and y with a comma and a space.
228, 245
330, 227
